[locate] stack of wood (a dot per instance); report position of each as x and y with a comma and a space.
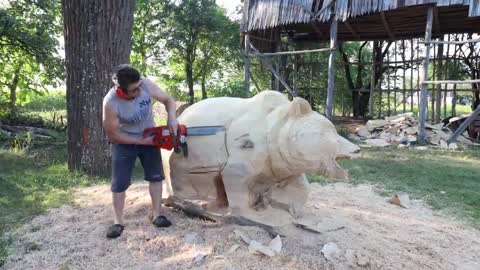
402, 130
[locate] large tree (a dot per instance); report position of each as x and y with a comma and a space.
98, 36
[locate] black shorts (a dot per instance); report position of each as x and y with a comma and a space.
123, 162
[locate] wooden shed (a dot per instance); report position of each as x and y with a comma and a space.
264, 21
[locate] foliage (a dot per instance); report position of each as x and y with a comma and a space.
29, 60
148, 40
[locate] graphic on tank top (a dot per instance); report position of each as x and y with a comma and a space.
139, 115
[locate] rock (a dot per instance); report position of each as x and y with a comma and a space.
257, 248
32, 246
363, 132
373, 124
412, 138
351, 258
401, 199
276, 244
362, 259
403, 139
233, 248
199, 258
422, 148
443, 144
191, 238
354, 137
242, 235
330, 251
453, 146
377, 142
443, 192
402, 146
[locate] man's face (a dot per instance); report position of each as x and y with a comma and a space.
133, 90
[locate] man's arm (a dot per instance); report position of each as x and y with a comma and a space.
167, 100
111, 124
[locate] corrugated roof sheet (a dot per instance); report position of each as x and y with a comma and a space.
265, 14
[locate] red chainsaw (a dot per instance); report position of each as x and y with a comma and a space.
166, 139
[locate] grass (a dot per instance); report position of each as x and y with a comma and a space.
34, 180
445, 180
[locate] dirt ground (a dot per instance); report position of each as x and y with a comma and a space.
370, 233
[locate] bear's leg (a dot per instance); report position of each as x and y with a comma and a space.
236, 176
290, 194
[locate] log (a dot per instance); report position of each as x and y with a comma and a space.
19, 129
195, 210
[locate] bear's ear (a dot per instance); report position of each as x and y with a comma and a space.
299, 107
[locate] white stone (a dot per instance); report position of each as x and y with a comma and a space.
276, 244
257, 248
330, 251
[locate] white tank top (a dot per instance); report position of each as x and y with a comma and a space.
135, 115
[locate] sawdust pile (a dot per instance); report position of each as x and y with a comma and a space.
362, 230
402, 130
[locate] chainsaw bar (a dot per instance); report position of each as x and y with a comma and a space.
204, 130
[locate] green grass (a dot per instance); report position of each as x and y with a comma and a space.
32, 181
424, 175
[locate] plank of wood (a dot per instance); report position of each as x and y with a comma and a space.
464, 125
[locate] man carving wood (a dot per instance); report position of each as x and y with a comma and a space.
127, 111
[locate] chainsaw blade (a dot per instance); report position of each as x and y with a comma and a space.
204, 131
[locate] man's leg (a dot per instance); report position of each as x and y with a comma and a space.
152, 167
123, 161
118, 199
156, 195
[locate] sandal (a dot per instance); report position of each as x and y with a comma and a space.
162, 222
115, 231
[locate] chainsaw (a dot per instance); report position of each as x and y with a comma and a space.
164, 138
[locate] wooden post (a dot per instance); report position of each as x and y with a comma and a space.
438, 98
247, 48
434, 77
403, 80
412, 53
464, 125
247, 65
331, 68
423, 98
372, 81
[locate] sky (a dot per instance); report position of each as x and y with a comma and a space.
229, 5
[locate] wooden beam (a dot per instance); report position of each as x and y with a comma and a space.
424, 95
351, 29
247, 65
464, 125
268, 64
452, 82
436, 21
291, 52
331, 68
460, 42
438, 97
387, 27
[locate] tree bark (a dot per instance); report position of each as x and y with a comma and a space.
204, 89
98, 37
189, 73
13, 90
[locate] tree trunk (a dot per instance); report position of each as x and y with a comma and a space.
13, 90
204, 90
98, 37
189, 73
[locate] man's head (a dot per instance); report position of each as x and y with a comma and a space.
127, 78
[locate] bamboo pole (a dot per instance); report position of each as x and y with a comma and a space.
453, 42
423, 102
446, 77
388, 84
434, 73
291, 52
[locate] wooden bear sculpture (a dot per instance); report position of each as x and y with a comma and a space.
255, 169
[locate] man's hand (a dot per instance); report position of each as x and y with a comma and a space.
173, 124
147, 141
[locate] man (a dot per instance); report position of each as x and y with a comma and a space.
127, 111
